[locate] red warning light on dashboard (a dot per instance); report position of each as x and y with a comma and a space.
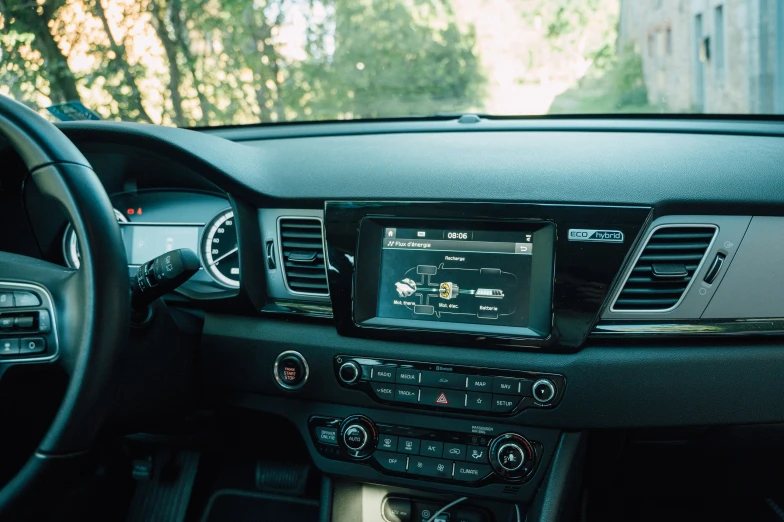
442, 399
130, 211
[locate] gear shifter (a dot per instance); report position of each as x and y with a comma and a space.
160, 276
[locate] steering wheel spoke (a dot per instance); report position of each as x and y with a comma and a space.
32, 292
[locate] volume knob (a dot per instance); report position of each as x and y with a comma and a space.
349, 372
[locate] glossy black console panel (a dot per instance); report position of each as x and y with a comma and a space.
583, 271
430, 454
449, 388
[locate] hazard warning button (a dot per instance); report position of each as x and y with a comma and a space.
442, 398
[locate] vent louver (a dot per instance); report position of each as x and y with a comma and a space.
665, 268
302, 249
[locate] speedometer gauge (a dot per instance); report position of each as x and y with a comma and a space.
71, 243
219, 249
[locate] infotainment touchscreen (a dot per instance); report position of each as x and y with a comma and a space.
463, 276
458, 276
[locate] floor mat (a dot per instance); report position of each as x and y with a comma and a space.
245, 506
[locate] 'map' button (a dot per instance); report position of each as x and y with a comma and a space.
479, 383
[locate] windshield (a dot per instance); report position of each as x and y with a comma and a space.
199, 63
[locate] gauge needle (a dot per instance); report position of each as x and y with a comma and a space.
224, 256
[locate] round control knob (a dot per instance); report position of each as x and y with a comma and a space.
349, 372
355, 437
291, 370
358, 436
511, 456
543, 390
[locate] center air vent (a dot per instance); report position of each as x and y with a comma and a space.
665, 268
302, 249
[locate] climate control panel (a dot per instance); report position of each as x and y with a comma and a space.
461, 389
451, 457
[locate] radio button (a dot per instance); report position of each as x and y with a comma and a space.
384, 391
407, 376
384, 373
479, 401
442, 398
453, 381
504, 403
479, 383
406, 394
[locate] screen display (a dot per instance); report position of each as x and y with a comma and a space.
456, 276
145, 242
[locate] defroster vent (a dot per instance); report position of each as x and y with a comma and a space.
665, 268
302, 248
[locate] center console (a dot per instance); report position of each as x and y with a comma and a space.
521, 276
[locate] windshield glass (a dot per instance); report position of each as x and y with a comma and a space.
200, 63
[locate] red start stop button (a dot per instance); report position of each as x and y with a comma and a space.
291, 370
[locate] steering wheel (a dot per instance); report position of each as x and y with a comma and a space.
87, 311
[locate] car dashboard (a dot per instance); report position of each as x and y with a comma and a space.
449, 305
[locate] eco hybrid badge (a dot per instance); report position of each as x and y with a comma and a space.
603, 236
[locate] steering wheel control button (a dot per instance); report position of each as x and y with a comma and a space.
383, 373
350, 372
407, 376
9, 347
7, 322
291, 370
544, 390
32, 345
470, 472
44, 322
26, 299
511, 457
327, 435
24, 321
6, 299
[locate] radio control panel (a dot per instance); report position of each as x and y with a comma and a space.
458, 389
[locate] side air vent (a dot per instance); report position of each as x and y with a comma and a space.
302, 249
665, 268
